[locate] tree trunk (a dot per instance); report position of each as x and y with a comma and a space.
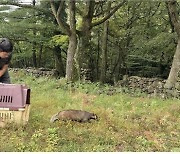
34, 43
72, 43
34, 54
104, 52
117, 70
104, 48
69, 30
175, 68
70, 57
98, 56
58, 62
40, 55
84, 57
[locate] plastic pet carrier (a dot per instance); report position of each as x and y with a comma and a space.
14, 104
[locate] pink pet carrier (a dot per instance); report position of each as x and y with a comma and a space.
14, 103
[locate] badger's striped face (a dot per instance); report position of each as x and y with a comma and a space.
94, 116
54, 118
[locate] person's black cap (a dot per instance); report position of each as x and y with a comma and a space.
6, 45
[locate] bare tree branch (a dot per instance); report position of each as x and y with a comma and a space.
64, 26
108, 15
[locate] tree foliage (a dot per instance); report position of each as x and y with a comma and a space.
141, 38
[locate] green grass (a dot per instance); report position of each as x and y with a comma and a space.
126, 123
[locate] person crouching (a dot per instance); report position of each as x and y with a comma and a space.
6, 48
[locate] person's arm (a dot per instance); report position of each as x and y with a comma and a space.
3, 70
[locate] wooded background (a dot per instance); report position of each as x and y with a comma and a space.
95, 40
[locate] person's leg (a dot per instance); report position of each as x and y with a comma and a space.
5, 78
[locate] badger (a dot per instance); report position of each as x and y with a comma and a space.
74, 115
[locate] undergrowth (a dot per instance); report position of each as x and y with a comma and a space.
126, 123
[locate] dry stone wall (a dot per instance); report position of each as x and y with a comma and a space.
36, 72
150, 86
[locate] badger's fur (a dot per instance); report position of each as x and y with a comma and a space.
73, 115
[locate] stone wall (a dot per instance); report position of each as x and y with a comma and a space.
36, 72
150, 86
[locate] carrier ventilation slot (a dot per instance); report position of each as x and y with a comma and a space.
6, 99
6, 115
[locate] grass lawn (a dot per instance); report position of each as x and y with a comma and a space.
126, 123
